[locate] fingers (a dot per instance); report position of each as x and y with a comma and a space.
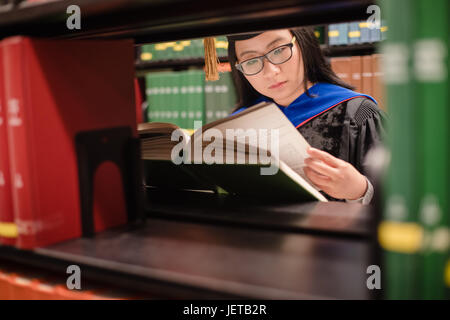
316, 178
324, 156
321, 167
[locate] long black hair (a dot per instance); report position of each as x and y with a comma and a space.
316, 68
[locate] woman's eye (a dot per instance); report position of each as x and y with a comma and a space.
252, 62
278, 51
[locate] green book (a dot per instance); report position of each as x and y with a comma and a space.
159, 50
224, 96
198, 48
146, 53
430, 71
222, 46
231, 93
400, 233
179, 50
225, 161
170, 97
176, 92
184, 101
187, 49
209, 101
161, 97
161, 110
199, 96
217, 98
150, 91
319, 32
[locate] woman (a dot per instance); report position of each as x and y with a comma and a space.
287, 67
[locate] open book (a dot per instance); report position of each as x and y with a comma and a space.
257, 152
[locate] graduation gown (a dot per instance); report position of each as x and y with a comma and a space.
337, 120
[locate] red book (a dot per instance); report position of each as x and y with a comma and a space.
139, 100
4, 286
8, 230
55, 90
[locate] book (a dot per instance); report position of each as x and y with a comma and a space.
354, 33
367, 75
258, 145
8, 229
378, 87
399, 232
430, 62
356, 67
342, 68
48, 114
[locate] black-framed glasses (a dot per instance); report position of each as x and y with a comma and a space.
278, 55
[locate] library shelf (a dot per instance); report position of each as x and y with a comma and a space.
171, 258
200, 247
157, 21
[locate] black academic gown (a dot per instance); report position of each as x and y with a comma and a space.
347, 131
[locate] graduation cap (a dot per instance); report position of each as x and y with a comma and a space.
211, 60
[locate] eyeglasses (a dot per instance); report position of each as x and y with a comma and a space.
278, 55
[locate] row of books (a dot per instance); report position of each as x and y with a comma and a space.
47, 128
364, 73
31, 285
356, 33
338, 34
184, 97
414, 233
185, 49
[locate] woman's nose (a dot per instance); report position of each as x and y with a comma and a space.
270, 68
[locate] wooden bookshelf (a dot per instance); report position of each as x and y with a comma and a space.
300, 252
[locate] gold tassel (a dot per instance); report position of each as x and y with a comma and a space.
211, 60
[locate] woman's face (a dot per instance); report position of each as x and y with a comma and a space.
283, 82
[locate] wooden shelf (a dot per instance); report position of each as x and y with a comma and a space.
350, 50
164, 20
188, 260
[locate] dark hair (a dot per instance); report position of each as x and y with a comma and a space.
316, 68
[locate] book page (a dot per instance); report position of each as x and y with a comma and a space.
291, 144
156, 140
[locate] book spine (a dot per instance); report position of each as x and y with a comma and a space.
15, 73
365, 32
191, 99
138, 100
354, 34
367, 75
378, 87
333, 34
232, 99
150, 97
8, 229
356, 67
199, 97
430, 67
176, 99
399, 233
184, 100
342, 68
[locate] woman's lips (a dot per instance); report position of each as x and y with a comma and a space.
277, 85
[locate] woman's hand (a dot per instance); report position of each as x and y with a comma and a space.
334, 176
